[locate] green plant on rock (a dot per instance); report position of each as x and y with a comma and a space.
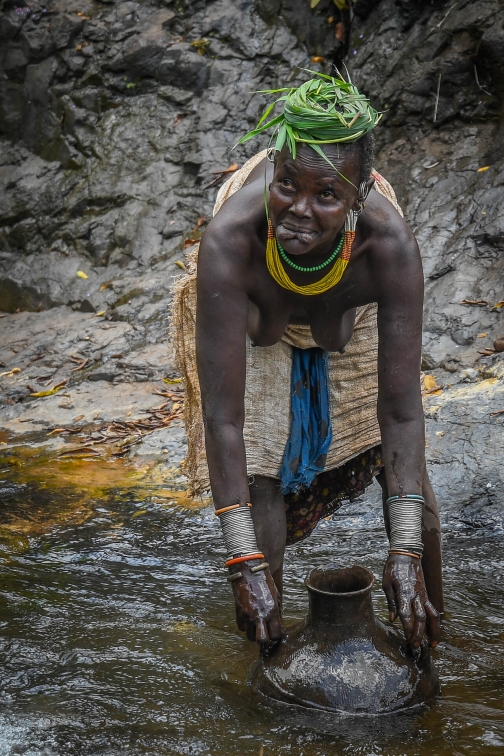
200, 45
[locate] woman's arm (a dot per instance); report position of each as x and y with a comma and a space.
224, 270
221, 323
400, 414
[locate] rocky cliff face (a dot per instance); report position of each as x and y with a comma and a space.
117, 115
117, 118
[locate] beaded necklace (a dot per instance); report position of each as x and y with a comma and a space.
278, 272
329, 260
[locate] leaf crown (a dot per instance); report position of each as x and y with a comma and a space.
321, 111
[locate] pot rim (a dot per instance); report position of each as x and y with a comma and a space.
348, 594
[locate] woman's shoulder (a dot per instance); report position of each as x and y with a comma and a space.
390, 241
242, 177
242, 214
383, 217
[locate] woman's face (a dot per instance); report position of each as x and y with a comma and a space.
309, 200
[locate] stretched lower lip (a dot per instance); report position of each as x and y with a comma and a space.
284, 233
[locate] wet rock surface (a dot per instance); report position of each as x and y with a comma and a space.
115, 118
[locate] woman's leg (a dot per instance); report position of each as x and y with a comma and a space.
268, 514
431, 537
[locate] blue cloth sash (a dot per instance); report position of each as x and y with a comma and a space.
310, 437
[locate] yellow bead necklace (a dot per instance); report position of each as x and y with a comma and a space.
334, 276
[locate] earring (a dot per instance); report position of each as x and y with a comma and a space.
270, 154
363, 191
363, 195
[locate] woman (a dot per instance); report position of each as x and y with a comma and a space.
308, 343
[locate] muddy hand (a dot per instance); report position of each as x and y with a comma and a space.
404, 586
257, 605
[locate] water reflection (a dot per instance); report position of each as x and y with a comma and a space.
117, 636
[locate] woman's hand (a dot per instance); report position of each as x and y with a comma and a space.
404, 586
257, 605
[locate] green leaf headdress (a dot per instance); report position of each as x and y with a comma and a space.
321, 111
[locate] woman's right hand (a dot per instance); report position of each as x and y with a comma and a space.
257, 605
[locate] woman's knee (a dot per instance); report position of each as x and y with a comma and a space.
264, 490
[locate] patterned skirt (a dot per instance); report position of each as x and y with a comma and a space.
328, 491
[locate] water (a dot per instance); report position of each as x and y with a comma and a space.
117, 634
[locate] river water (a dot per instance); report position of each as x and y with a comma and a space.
117, 633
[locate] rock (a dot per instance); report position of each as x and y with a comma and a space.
109, 377
142, 53
14, 63
15, 295
65, 28
183, 67
464, 443
313, 27
170, 441
268, 9
10, 24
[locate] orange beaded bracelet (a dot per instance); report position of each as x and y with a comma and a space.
406, 553
228, 509
245, 558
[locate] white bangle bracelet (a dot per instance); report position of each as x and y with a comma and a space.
405, 518
238, 531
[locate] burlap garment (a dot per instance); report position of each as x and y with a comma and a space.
353, 377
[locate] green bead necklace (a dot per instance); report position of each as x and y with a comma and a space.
329, 260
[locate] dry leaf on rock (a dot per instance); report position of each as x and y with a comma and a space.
475, 302
219, 175
230, 169
80, 366
180, 117
435, 391
80, 451
39, 394
340, 32
50, 392
429, 382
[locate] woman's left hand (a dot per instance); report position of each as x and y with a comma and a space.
404, 586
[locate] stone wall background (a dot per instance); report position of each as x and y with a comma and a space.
114, 118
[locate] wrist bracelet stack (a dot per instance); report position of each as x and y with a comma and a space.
239, 534
405, 517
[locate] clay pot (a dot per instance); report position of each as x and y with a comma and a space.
341, 658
